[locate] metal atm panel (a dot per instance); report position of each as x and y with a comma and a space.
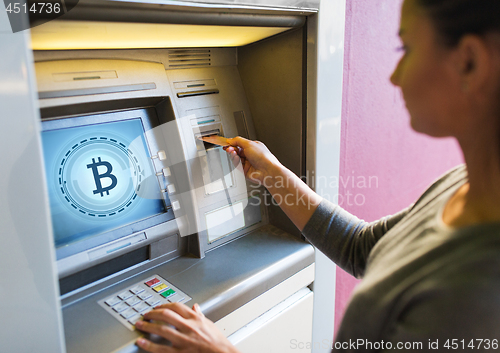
222, 268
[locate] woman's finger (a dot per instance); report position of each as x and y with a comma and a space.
149, 346
234, 156
240, 151
164, 331
237, 149
235, 159
197, 309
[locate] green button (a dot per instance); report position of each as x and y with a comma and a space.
168, 293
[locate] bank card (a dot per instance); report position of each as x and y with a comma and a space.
215, 140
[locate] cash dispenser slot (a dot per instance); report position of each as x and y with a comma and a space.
197, 93
84, 75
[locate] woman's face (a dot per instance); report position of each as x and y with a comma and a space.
427, 76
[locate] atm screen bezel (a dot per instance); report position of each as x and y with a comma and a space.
149, 120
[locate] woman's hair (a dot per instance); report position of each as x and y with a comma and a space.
455, 18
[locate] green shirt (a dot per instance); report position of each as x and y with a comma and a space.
422, 280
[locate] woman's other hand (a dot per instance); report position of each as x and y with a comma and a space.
187, 329
257, 161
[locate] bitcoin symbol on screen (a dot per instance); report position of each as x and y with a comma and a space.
97, 177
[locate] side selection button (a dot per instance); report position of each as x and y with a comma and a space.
162, 155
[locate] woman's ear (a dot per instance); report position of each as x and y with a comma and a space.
474, 63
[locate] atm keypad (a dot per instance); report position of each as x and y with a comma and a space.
137, 289
129, 305
145, 295
125, 295
120, 307
113, 301
141, 307
132, 301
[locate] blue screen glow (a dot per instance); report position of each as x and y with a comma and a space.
100, 177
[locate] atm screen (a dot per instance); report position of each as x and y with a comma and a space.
100, 178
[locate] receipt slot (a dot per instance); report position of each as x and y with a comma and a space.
138, 210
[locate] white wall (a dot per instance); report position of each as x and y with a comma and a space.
29, 309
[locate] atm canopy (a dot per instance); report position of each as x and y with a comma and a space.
93, 24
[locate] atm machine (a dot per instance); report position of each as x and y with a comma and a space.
144, 212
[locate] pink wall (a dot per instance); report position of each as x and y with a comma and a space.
377, 140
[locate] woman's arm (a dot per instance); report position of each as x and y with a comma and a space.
342, 237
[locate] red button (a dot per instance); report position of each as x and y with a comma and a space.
152, 282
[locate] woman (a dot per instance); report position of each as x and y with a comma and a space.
431, 272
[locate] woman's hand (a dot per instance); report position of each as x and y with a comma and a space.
187, 329
257, 161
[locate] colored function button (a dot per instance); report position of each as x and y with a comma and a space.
113, 301
168, 293
137, 289
160, 287
125, 295
152, 282
145, 295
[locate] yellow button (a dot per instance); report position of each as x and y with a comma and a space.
160, 287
